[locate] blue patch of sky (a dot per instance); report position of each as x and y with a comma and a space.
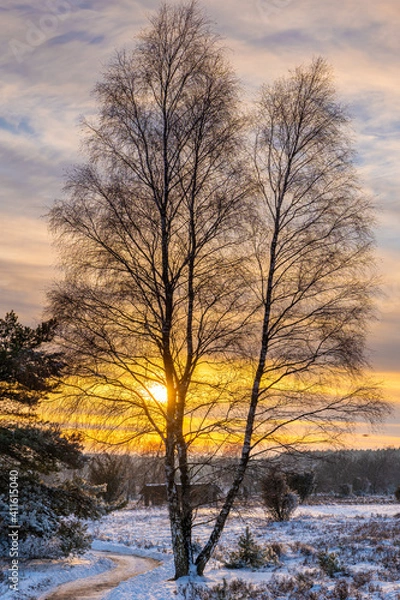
384, 130
22, 127
149, 4
85, 5
372, 117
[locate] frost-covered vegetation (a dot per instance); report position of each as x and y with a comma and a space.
325, 552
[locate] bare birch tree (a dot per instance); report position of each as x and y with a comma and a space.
182, 259
313, 275
150, 236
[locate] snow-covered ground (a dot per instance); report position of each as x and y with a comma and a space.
362, 543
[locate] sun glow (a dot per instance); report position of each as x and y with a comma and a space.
157, 392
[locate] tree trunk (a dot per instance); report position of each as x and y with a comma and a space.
179, 535
215, 536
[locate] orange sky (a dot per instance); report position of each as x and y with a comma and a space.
52, 54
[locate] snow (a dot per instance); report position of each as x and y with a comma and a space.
362, 536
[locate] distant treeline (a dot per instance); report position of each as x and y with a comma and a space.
344, 472
364, 471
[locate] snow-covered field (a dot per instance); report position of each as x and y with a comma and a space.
340, 552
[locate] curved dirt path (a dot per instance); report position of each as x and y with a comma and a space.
96, 586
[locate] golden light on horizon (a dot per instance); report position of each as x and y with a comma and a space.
117, 416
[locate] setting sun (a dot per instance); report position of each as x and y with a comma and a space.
157, 392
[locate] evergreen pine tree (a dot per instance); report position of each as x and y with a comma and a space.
48, 511
249, 553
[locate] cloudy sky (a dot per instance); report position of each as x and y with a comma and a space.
53, 51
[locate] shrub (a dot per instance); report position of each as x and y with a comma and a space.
345, 489
111, 471
277, 497
69, 536
234, 590
302, 483
298, 587
341, 590
275, 550
361, 578
33, 452
46, 515
304, 549
361, 486
74, 538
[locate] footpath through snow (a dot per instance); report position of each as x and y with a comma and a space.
96, 586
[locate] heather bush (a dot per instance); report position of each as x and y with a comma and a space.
234, 590
298, 587
304, 549
361, 578
341, 590
301, 586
